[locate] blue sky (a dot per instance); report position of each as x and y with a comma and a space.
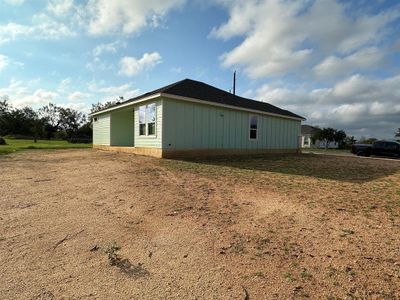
334, 62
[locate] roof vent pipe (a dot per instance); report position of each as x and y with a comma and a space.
234, 82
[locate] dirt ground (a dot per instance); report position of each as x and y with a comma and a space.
275, 227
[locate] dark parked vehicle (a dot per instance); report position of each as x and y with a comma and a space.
379, 148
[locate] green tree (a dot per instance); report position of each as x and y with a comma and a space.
339, 137
70, 121
100, 106
397, 134
364, 140
350, 140
51, 114
326, 135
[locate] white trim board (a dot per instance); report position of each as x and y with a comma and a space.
125, 105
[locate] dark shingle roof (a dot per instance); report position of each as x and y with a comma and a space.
202, 91
307, 129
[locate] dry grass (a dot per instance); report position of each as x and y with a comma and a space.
266, 227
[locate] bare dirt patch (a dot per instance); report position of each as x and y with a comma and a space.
86, 224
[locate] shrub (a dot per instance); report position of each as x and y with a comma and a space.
2, 141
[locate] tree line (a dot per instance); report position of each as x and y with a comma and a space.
329, 135
48, 122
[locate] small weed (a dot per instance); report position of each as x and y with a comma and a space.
305, 274
260, 274
2, 238
123, 264
111, 250
346, 232
331, 297
288, 276
335, 283
350, 271
238, 248
332, 271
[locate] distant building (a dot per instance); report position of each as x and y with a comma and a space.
307, 133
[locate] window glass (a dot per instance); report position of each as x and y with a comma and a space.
151, 113
151, 119
142, 110
151, 129
142, 120
253, 134
253, 127
253, 122
142, 129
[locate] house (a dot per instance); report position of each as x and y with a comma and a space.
307, 132
191, 118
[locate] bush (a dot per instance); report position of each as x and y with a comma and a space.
2, 141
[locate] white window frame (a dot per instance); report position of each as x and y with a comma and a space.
146, 123
250, 129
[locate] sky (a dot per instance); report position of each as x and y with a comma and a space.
334, 62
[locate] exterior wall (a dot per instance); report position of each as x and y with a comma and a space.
101, 130
303, 141
149, 141
122, 128
193, 126
317, 144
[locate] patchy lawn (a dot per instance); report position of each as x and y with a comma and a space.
14, 145
87, 224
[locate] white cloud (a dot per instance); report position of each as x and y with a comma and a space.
98, 64
48, 30
367, 58
60, 7
39, 97
177, 70
3, 62
14, 2
126, 16
107, 48
280, 37
357, 104
77, 95
80, 106
130, 66
64, 84
114, 92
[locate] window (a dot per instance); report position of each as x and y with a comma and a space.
306, 140
147, 119
142, 120
253, 127
151, 119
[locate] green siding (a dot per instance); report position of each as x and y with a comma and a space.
149, 141
122, 128
101, 130
188, 125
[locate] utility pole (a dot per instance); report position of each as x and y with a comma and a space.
234, 82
